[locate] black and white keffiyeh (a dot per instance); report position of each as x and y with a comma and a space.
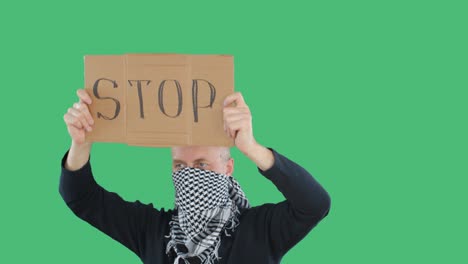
206, 204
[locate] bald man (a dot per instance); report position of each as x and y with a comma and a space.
212, 220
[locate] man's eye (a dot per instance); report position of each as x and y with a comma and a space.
202, 165
179, 166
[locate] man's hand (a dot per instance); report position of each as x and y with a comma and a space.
79, 120
238, 126
238, 122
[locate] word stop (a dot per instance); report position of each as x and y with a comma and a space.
138, 85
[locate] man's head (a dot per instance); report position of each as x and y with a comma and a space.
214, 158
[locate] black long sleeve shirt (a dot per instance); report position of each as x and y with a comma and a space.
264, 235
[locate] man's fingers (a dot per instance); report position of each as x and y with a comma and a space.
84, 96
235, 97
234, 110
71, 120
85, 110
77, 118
238, 116
235, 117
236, 125
80, 116
233, 127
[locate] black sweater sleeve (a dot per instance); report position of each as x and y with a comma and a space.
124, 221
306, 204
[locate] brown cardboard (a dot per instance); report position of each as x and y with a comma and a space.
159, 100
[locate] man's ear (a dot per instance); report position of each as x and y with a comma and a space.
230, 167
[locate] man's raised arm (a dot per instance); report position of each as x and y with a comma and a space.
124, 221
306, 201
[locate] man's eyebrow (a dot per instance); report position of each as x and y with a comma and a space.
202, 159
197, 160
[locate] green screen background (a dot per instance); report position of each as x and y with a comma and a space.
369, 96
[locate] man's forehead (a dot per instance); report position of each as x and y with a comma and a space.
197, 152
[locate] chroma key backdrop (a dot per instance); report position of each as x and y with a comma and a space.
369, 96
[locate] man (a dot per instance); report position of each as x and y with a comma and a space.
212, 221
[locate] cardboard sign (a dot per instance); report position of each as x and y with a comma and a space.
159, 100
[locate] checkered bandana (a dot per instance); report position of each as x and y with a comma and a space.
206, 204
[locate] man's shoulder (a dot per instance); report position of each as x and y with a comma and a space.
151, 211
262, 212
